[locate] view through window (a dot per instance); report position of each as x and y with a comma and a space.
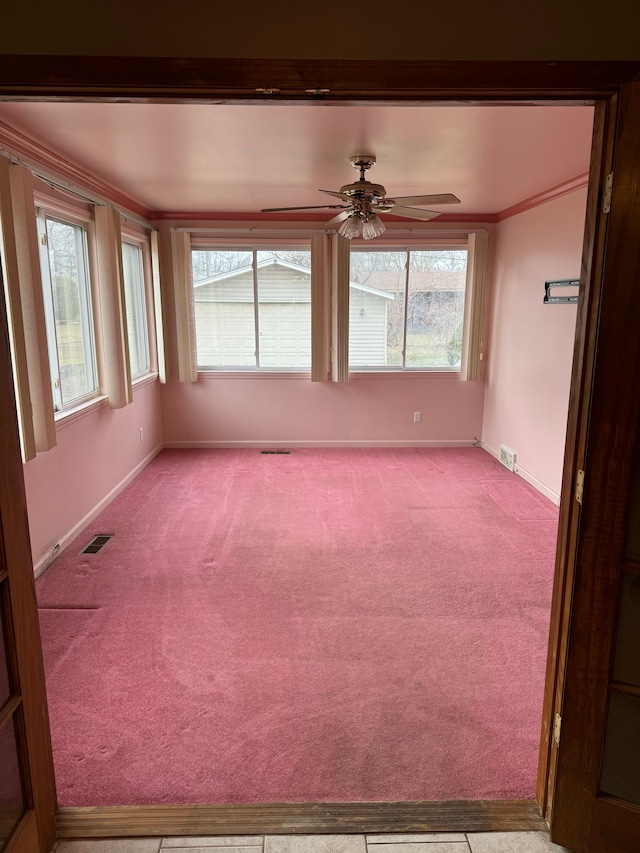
253, 308
407, 308
68, 313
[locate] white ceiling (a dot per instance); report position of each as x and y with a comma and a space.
240, 158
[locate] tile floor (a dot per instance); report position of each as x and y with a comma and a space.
452, 842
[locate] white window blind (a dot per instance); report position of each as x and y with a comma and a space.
24, 288
320, 307
340, 308
478, 248
113, 307
184, 307
157, 305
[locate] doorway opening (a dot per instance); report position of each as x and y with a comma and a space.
28, 484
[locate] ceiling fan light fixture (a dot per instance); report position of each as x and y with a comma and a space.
352, 226
372, 227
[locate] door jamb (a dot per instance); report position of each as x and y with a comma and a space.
137, 79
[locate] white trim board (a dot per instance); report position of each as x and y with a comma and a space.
528, 477
48, 559
320, 443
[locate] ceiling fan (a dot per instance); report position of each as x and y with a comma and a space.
363, 201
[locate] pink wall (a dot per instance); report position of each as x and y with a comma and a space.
530, 348
94, 455
371, 409
246, 409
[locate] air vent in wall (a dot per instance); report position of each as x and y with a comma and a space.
278, 452
96, 544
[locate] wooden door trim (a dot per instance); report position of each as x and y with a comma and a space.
609, 457
25, 836
577, 425
288, 80
24, 648
300, 818
138, 79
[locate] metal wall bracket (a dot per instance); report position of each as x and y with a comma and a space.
550, 286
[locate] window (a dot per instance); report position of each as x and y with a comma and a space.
406, 308
68, 313
252, 308
135, 303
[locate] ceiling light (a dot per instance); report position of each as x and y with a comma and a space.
352, 227
372, 227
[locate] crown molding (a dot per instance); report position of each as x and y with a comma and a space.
41, 159
216, 216
550, 194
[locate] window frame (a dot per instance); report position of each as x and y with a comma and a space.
417, 244
280, 243
141, 240
76, 217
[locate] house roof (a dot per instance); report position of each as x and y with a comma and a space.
288, 265
440, 280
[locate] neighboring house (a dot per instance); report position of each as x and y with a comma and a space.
225, 318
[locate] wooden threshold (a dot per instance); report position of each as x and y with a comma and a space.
300, 818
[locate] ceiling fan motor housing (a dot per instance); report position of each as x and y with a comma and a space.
364, 191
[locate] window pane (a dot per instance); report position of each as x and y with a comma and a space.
633, 535
71, 309
435, 308
5, 687
627, 660
134, 294
284, 309
376, 308
11, 798
621, 761
224, 308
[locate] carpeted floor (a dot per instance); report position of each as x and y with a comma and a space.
333, 625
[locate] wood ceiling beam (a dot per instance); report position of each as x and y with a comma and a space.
89, 78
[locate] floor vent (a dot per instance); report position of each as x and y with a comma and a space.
508, 457
96, 544
277, 452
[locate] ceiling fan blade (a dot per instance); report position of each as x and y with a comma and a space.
312, 207
445, 198
413, 213
337, 219
343, 196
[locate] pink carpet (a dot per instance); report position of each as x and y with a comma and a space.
333, 625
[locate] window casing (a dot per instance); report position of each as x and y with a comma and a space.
406, 308
252, 308
68, 310
136, 308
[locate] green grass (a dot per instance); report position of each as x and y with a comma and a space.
422, 351
70, 348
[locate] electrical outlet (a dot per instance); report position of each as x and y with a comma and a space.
417, 417
141, 434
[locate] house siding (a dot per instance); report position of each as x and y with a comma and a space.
225, 321
367, 329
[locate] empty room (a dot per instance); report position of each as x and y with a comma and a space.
293, 384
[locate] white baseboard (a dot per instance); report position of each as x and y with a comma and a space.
528, 477
45, 561
301, 444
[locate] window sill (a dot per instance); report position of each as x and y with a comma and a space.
253, 374
416, 373
70, 416
144, 379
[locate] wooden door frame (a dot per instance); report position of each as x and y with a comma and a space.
608, 455
37, 829
150, 79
